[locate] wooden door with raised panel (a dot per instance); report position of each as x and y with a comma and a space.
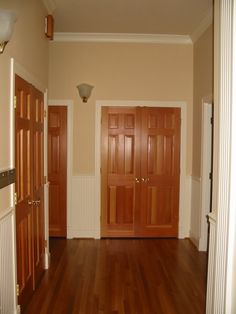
38, 182
160, 172
57, 169
140, 172
119, 166
29, 187
24, 189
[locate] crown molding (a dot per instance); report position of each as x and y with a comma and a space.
122, 38
49, 5
203, 26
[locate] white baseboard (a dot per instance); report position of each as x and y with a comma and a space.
46, 260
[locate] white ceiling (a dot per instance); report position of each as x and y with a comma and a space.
181, 17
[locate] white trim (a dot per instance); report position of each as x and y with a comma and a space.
123, 38
231, 250
203, 26
219, 288
206, 161
46, 185
222, 292
69, 104
184, 202
27, 76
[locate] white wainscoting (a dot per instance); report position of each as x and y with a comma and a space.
185, 207
7, 266
195, 225
211, 270
81, 216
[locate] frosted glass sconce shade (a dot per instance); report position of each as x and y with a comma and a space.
7, 21
85, 91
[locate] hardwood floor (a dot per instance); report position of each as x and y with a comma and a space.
163, 276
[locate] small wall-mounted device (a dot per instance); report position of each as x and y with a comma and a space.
49, 26
7, 177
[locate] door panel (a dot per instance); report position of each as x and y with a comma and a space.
160, 160
24, 211
140, 171
57, 169
29, 187
38, 182
119, 135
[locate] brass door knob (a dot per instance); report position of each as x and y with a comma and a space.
37, 203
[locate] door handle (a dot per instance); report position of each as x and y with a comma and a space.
137, 180
34, 203
145, 179
30, 202
37, 203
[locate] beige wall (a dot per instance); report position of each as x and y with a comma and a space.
29, 48
203, 87
118, 72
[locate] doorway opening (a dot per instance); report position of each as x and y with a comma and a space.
68, 104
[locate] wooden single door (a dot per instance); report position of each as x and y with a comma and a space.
140, 171
29, 187
119, 168
160, 172
57, 170
38, 182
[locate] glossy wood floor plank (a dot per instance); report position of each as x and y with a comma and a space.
122, 276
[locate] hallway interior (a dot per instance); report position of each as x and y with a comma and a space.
164, 276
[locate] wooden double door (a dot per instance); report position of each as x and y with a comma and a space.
29, 198
140, 172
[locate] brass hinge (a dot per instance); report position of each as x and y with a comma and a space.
15, 198
15, 100
45, 179
45, 114
17, 290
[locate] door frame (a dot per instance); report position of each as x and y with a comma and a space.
206, 169
17, 69
184, 202
70, 105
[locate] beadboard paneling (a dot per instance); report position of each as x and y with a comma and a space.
81, 218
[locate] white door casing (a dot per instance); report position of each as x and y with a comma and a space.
206, 168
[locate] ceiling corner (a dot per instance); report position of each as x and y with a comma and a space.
202, 27
49, 5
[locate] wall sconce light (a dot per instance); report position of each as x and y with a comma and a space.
7, 20
85, 91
